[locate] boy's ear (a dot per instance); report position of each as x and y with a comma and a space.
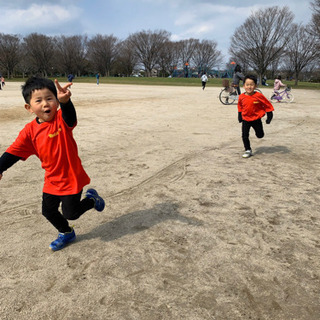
28, 107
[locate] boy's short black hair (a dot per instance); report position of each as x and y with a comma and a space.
37, 83
252, 77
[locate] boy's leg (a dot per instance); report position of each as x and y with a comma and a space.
50, 206
245, 134
73, 208
258, 128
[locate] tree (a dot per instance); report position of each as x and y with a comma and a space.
301, 50
263, 37
167, 58
315, 20
102, 52
10, 53
147, 45
186, 49
71, 54
206, 55
40, 52
126, 59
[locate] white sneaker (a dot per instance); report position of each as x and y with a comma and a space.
247, 154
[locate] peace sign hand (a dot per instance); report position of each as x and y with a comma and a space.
64, 93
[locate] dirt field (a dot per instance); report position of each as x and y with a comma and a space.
191, 230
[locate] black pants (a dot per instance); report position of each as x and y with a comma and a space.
72, 209
204, 84
258, 128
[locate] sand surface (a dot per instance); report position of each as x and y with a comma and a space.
191, 230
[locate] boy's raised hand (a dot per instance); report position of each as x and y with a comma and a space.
63, 93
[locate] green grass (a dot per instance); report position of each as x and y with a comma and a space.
170, 82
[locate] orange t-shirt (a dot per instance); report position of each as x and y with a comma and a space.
53, 143
253, 107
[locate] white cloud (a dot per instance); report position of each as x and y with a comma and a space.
39, 17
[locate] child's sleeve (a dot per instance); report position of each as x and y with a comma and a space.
69, 113
7, 160
266, 103
22, 147
240, 103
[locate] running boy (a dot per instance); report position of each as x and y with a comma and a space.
49, 137
252, 106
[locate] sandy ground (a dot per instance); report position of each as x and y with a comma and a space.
191, 230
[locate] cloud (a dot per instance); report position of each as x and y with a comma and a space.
39, 17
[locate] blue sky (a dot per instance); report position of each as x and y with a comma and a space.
200, 19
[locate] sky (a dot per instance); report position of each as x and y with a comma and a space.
183, 19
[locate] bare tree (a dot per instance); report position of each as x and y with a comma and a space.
301, 51
206, 55
126, 59
40, 52
10, 53
187, 48
167, 58
102, 52
263, 37
147, 45
71, 54
315, 21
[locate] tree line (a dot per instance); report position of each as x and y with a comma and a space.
267, 41
106, 54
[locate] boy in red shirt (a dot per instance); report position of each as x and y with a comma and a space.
252, 106
49, 137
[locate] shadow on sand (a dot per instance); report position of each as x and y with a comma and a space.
275, 149
138, 221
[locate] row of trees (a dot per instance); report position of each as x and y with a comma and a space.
267, 40
38, 53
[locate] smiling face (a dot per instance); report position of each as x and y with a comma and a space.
43, 104
249, 86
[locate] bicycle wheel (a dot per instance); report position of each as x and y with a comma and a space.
288, 97
225, 96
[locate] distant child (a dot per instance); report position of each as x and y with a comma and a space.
98, 77
252, 106
204, 80
3, 81
277, 85
70, 77
49, 137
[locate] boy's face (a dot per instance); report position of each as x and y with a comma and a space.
43, 104
249, 86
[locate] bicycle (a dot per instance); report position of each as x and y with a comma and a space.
284, 95
229, 94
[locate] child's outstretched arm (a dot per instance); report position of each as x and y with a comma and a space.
67, 108
6, 161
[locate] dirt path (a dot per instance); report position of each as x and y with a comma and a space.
191, 230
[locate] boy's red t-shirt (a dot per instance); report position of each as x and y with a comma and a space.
253, 107
53, 143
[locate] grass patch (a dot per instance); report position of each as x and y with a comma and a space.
192, 82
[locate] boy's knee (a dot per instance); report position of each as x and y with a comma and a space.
71, 215
260, 135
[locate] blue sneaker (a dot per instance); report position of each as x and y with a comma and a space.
98, 201
62, 240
